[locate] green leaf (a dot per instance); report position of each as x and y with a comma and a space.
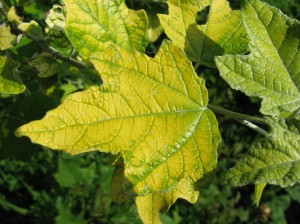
66, 215
71, 174
45, 64
93, 25
259, 188
32, 30
275, 160
9, 83
7, 39
152, 111
271, 71
151, 205
203, 42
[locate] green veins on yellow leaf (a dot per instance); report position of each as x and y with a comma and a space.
152, 111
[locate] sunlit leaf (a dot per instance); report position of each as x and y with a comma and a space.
93, 25
275, 160
32, 29
259, 188
151, 205
9, 82
223, 29
271, 70
7, 39
152, 111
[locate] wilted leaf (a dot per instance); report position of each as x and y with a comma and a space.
93, 25
271, 71
202, 43
9, 83
152, 111
276, 160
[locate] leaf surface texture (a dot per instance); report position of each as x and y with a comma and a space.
202, 43
152, 111
275, 160
271, 70
93, 25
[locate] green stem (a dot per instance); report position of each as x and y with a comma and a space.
236, 116
241, 118
254, 127
197, 65
57, 54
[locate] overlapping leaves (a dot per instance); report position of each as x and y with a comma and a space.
202, 43
271, 71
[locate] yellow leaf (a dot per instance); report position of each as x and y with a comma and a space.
151, 205
151, 111
202, 43
7, 39
95, 24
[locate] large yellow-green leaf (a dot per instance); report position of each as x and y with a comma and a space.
151, 205
202, 43
9, 83
275, 160
271, 71
152, 111
93, 25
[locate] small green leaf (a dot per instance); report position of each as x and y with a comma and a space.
271, 71
45, 64
259, 188
32, 29
7, 39
9, 83
170, 136
71, 174
93, 25
151, 205
219, 35
275, 160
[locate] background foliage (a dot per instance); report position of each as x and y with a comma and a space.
39, 185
